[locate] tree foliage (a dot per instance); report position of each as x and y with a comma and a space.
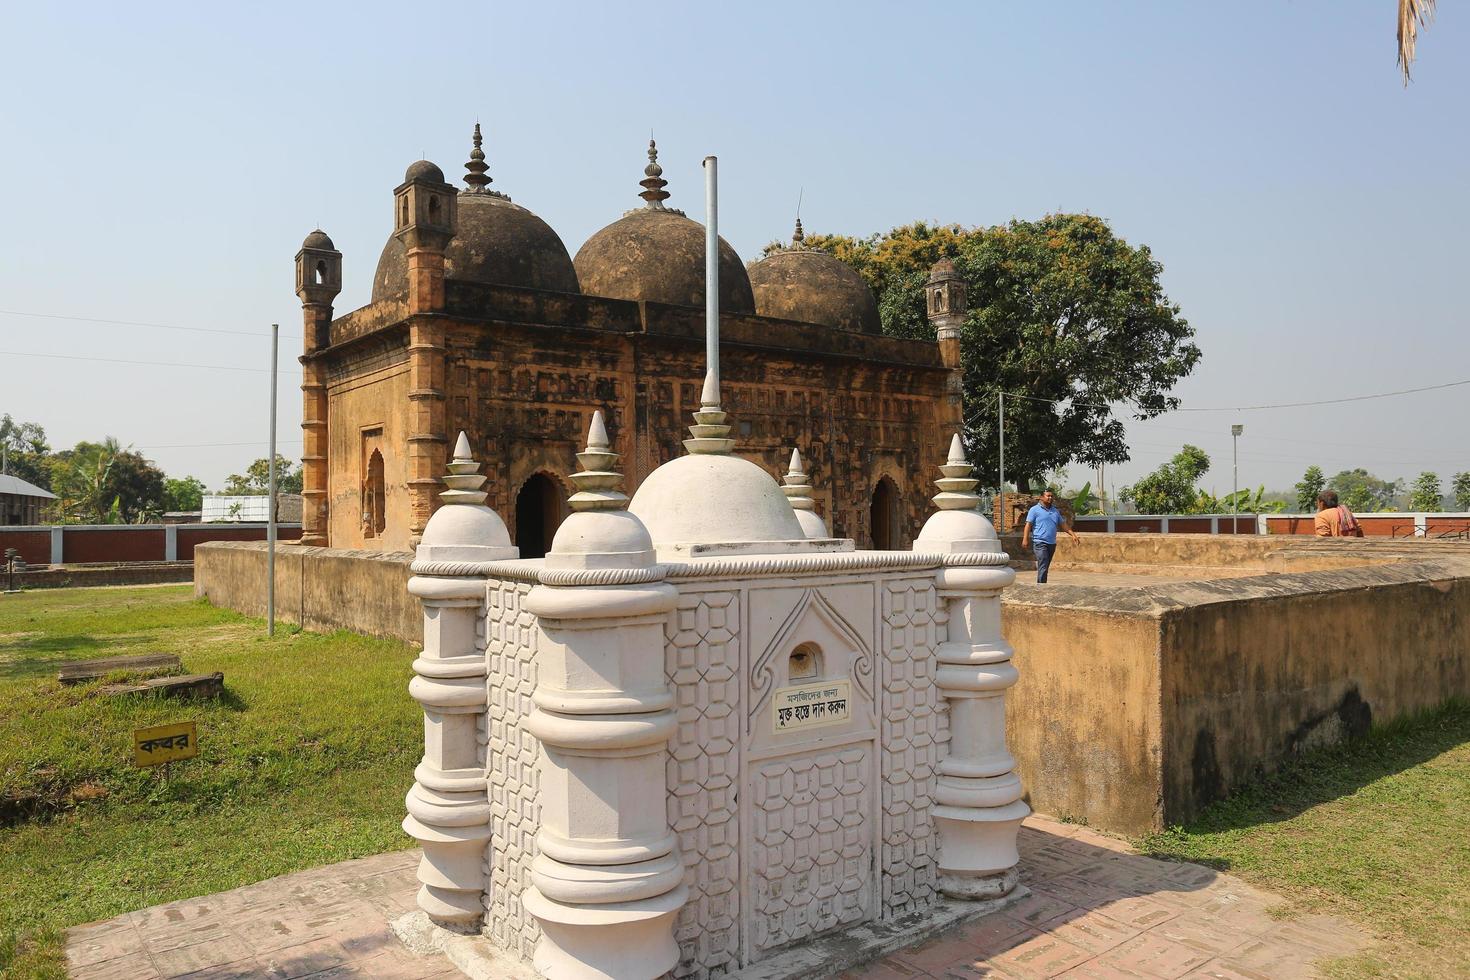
183, 495
25, 451
256, 478
103, 483
1170, 489
1425, 494
1460, 489
1362, 492
1061, 311
1307, 490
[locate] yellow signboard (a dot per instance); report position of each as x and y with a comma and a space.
165, 743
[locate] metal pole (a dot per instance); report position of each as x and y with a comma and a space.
1235, 431
712, 277
1002, 397
270, 527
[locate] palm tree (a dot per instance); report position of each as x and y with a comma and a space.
1413, 14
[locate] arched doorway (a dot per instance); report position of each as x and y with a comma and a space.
539, 511
884, 517
374, 498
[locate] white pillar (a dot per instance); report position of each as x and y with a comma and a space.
978, 806
58, 552
448, 807
607, 881
170, 542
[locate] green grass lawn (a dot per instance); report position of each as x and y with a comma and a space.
303, 762
1377, 831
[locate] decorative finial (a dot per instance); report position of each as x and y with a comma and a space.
477, 178
798, 237
710, 434
957, 485
798, 489
599, 486
653, 182
463, 479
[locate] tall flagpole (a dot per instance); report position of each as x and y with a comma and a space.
270, 527
1002, 397
711, 395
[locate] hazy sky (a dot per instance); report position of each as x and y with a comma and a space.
164, 161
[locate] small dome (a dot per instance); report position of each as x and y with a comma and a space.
423, 170
498, 242
811, 286
657, 255
318, 239
706, 498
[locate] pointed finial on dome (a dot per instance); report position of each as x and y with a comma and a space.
476, 177
957, 485
798, 237
463, 479
653, 182
599, 486
710, 434
798, 489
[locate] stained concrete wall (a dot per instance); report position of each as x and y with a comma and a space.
319, 588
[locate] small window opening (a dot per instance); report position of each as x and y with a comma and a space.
433, 210
805, 662
321, 273
374, 498
884, 518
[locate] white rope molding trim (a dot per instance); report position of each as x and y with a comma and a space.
709, 568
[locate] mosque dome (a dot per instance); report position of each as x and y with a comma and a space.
423, 170
811, 286
498, 242
318, 239
656, 253
708, 498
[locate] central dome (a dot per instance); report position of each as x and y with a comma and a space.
711, 499
814, 287
497, 242
657, 254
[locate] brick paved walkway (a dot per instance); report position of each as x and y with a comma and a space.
1096, 910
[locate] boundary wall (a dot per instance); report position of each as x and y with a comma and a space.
1391, 524
74, 544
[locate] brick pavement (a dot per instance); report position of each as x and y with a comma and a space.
1095, 910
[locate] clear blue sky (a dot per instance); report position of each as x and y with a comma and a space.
163, 162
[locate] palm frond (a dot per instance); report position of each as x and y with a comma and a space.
1413, 14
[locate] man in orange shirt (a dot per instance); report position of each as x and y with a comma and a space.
1333, 520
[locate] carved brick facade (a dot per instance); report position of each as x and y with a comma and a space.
522, 371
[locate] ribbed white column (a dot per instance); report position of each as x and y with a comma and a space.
607, 880
978, 806
448, 807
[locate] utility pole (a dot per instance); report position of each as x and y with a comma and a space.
270, 527
1235, 431
1002, 396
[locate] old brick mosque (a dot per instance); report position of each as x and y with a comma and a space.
497, 330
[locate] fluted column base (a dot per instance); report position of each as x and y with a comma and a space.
616, 941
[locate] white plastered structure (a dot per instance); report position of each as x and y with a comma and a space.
611, 788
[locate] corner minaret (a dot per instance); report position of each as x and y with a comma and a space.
947, 306
318, 281
425, 220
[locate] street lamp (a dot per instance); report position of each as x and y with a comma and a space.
1235, 431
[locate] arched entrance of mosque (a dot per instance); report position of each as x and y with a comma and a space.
884, 516
539, 512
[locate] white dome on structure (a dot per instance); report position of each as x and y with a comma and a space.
463, 528
958, 525
716, 504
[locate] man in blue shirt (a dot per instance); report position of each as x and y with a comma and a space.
1042, 522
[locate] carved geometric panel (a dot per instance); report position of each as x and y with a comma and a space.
515, 817
811, 845
702, 663
914, 737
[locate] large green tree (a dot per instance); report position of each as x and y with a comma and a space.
25, 451
1425, 494
1311, 484
103, 483
186, 494
1066, 318
1460, 488
256, 478
1170, 489
1363, 492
